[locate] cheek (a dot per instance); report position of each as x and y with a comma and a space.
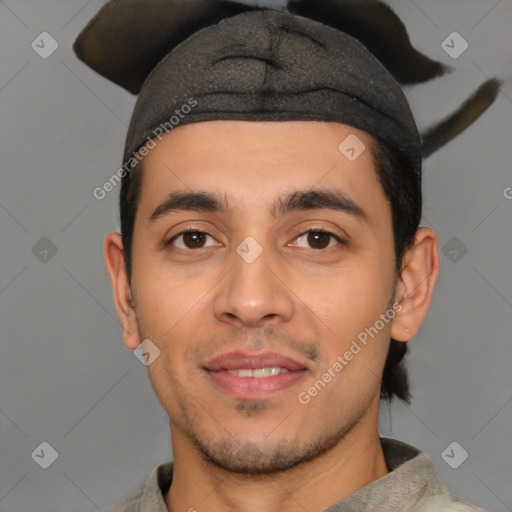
349, 305
156, 305
350, 299
166, 312
172, 309
164, 294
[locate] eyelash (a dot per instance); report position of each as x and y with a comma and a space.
311, 230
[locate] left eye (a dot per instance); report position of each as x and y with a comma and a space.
317, 239
190, 240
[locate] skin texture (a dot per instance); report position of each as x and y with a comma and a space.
304, 297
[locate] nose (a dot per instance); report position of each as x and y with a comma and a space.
252, 295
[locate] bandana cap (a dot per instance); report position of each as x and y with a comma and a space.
267, 65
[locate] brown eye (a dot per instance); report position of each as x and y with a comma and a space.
190, 240
317, 239
194, 239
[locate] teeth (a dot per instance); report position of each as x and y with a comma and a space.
266, 372
258, 372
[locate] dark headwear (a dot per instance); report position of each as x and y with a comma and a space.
267, 65
271, 66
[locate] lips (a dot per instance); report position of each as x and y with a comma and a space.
253, 376
239, 360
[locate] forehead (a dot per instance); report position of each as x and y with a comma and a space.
251, 163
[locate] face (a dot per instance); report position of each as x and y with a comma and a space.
260, 255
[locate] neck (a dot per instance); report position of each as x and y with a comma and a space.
198, 485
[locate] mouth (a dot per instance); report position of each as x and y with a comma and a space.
254, 376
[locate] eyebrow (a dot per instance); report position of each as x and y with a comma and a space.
299, 200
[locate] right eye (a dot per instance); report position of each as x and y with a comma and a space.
190, 239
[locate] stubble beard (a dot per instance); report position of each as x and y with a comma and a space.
250, 459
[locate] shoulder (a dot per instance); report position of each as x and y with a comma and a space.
151, 497
446, 503
414, 480
129, 504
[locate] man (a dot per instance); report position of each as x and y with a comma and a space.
272, 269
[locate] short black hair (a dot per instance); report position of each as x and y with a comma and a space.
402, 188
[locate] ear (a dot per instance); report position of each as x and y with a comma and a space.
416, 284
114, 260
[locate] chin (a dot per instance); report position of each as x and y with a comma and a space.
249, 457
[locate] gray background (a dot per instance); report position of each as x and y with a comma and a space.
66, 378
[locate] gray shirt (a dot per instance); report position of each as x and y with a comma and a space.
411, 485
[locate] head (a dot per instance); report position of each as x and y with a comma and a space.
307, 296
251, 239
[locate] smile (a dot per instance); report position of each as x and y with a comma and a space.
254, 375
258, 372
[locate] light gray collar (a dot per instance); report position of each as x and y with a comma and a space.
411, 477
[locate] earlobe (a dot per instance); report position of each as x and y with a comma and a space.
416, 285
123, 300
